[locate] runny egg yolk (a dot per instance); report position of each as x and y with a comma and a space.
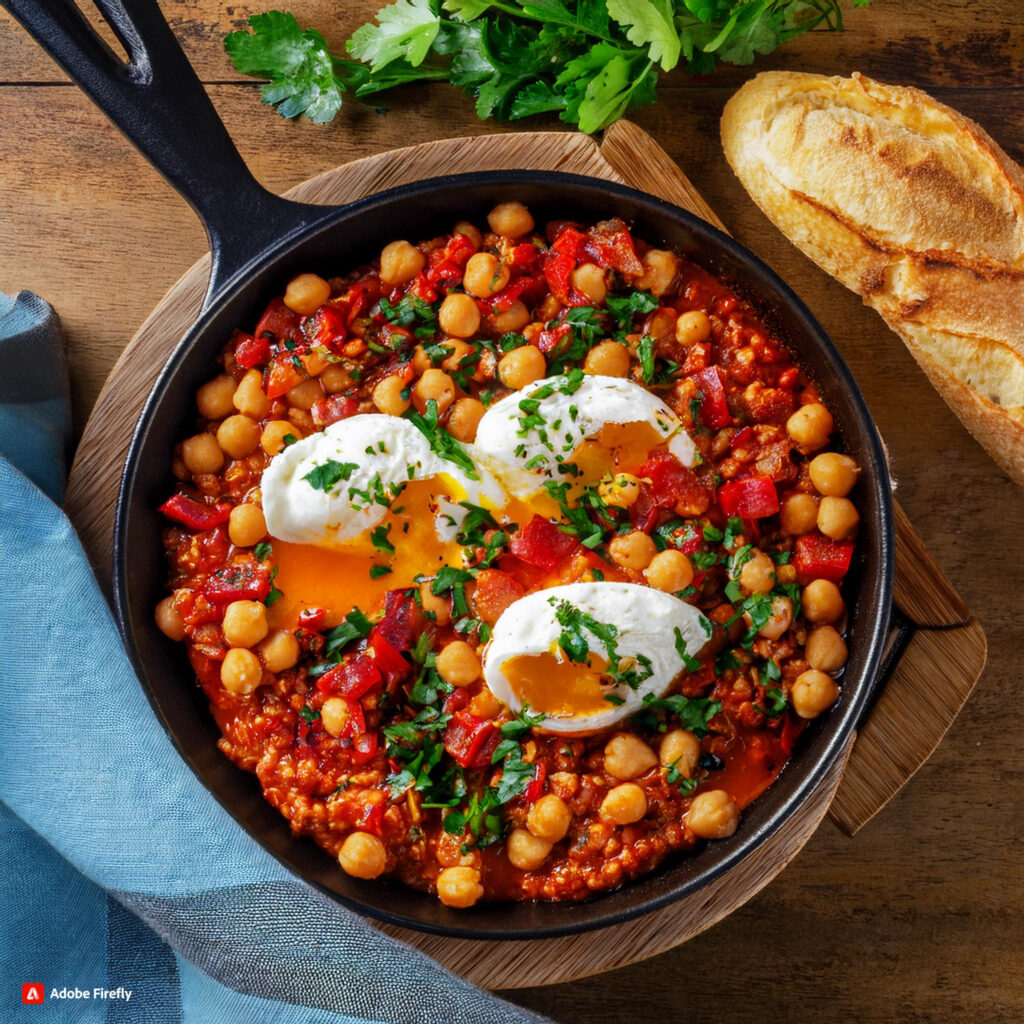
553, 685
339, 579
616, 448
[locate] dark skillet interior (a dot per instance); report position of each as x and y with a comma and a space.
356, 236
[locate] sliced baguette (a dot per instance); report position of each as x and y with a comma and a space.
915, 208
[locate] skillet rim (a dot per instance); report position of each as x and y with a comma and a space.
730, 851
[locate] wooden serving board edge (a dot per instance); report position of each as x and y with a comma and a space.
627, 155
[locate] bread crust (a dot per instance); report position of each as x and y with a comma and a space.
914, 207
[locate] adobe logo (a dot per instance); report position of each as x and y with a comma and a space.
32, 993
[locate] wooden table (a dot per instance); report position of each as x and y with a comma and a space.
919, 917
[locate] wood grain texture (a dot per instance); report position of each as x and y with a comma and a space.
917, 918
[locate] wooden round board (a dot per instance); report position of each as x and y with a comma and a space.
626, 155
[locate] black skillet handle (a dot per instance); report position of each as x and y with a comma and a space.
158, 102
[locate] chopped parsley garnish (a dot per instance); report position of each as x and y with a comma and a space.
411, 310
574, 643
329, 474
692, 664
674, 777
693, 713
308, 714
645, 353
441, 442
274, 594
355, 626
376, 571
379, 539
624, 307
262, 551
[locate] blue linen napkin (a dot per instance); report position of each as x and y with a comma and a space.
121, 873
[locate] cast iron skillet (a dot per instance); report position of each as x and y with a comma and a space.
258, 241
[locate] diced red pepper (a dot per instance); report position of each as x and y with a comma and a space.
363, 749
557, 268
668, 476
569, 242
282, 375
613, 249
195, 514
333, 409
753, 497
372, 818
352, 678
541, 543
312, 619
388, 660
328, 327
741, 437
818, 557
470, 740
792, 726
548, 341
398, 626
250, 351
714, 409
643, 513
355, 724
536, 787
280, 322
523, 256
246, 581
455, 701
420, 287
697, 358
360, 296
494, 592
789, 378
502, 301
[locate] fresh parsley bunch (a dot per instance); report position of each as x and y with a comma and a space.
588, 60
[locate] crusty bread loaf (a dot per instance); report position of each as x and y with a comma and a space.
914, 207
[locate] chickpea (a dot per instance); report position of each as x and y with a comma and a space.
522, 366
434, 385
240, 671
280, 651
238, 436
202, 454
459, 315
813, 692
660, 269
692, 327
633, 550
626, 756
810, 426
485, 275
420, 361
272, 440
458, 664
608, 359
549, 818
833, 474
465, 418
758, 573
713, 815
825, 649
621, 490
459, 886
334, 715
433, 603
781, 619
670, 571
335, 379
588, 278
362, 855
837, 517
799, 514
387, 396
303, 395
515, 318
249, 396
510, 220
549, 307
168, 620
525, 850
681, 748
246, 525
459, 350
306, 293
471, 231
822, 602
214, 398
623, 804
245, 623
400, 262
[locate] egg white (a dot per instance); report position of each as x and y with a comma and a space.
524, 457
646, 620
387, 452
